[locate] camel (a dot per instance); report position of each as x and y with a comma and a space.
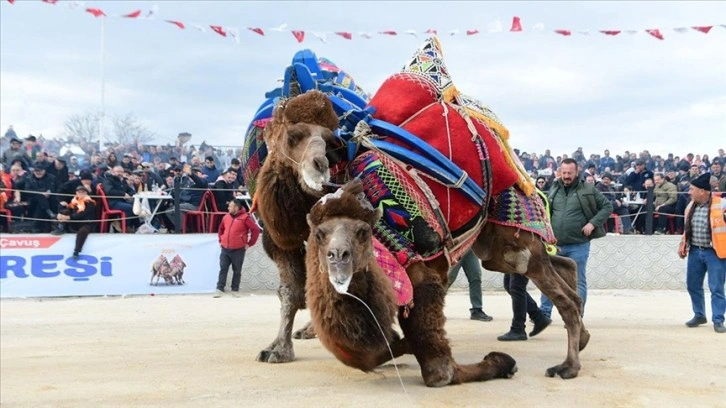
176, 267
291, 181
161, 269
341, 262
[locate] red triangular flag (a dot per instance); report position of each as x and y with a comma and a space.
564, 32
50, 1
610, 32
516, 24
11, 1
176, 23
655, 33
219, 30
299, 35
133, 14
703, 29
96, 12
346, 35
472, 32
388, 32
432, 31
256, 30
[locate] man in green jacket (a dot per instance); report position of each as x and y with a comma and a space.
578, 212
666, 196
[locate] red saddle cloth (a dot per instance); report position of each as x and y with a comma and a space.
422, 100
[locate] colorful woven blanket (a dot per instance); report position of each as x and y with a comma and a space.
395, 272
514, 208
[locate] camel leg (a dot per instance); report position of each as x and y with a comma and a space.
291, 293
507, 249
307, 332
424, 331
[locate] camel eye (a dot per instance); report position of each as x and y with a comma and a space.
295, 134
319, 237
363, 234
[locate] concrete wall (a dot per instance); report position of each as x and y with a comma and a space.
616, 262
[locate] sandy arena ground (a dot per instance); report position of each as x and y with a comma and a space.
180, 351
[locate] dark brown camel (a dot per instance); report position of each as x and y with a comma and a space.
289, 184
341, 262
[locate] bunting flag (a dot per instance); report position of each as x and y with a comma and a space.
492, 27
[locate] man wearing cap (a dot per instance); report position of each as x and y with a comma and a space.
636, 179
79, 215
37, 188
704, 243
15, 153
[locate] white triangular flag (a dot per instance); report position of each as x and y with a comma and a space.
495, 27
583, 32
234, 33
281, 27
75, 4
454, 32
365, 35
411, 32
538, 27
199, 27
320, 36
681, 29
631, 32
153, 11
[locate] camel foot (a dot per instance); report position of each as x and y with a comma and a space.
503, 364
277, 353
564, 370
438, 373
584, 338
306, 333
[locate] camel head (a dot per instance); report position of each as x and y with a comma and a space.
300, 134
341, 226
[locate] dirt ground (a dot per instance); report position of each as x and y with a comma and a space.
198, 351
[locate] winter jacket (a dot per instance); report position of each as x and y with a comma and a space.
667, 194
238, 231
211, 173
571, 211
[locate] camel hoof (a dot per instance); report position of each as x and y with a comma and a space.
306, 333
584, 339
273, 356
506, 365
564, 371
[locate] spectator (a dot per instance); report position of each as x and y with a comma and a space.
717, 171
522, 305
224, 188
621, 209
666, 197
704, 243
39, 187
32, 149
79, 216
237, 232
636, 179
15, 153
542, 184
606, 162
578, 213
210, 171
472, 269
192, 188
119, 194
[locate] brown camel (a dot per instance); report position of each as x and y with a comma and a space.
341, 262
291, 181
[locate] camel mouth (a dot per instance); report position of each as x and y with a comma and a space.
340, 282
314, 179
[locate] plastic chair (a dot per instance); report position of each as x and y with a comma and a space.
196, 216
107, 213
215, 216
618, 223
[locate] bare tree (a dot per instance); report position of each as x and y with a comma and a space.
82, 127
128, 130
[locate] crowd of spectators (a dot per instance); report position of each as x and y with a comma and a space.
39, 177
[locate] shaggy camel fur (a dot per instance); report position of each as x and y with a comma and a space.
340, 259
291, 181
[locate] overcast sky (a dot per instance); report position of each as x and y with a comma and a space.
629, 92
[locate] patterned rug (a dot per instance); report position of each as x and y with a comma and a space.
395, 272
515, 209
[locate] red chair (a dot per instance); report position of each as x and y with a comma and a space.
215, 216
107, 213
671, 222
196, 216
618, 223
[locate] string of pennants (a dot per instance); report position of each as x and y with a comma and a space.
299, 35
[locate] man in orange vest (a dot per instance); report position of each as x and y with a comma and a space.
704, 242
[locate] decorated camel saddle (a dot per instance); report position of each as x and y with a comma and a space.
417, 139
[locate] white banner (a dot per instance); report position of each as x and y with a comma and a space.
110, 264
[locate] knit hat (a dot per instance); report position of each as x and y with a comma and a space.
608, 175
86, 175
703, 182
